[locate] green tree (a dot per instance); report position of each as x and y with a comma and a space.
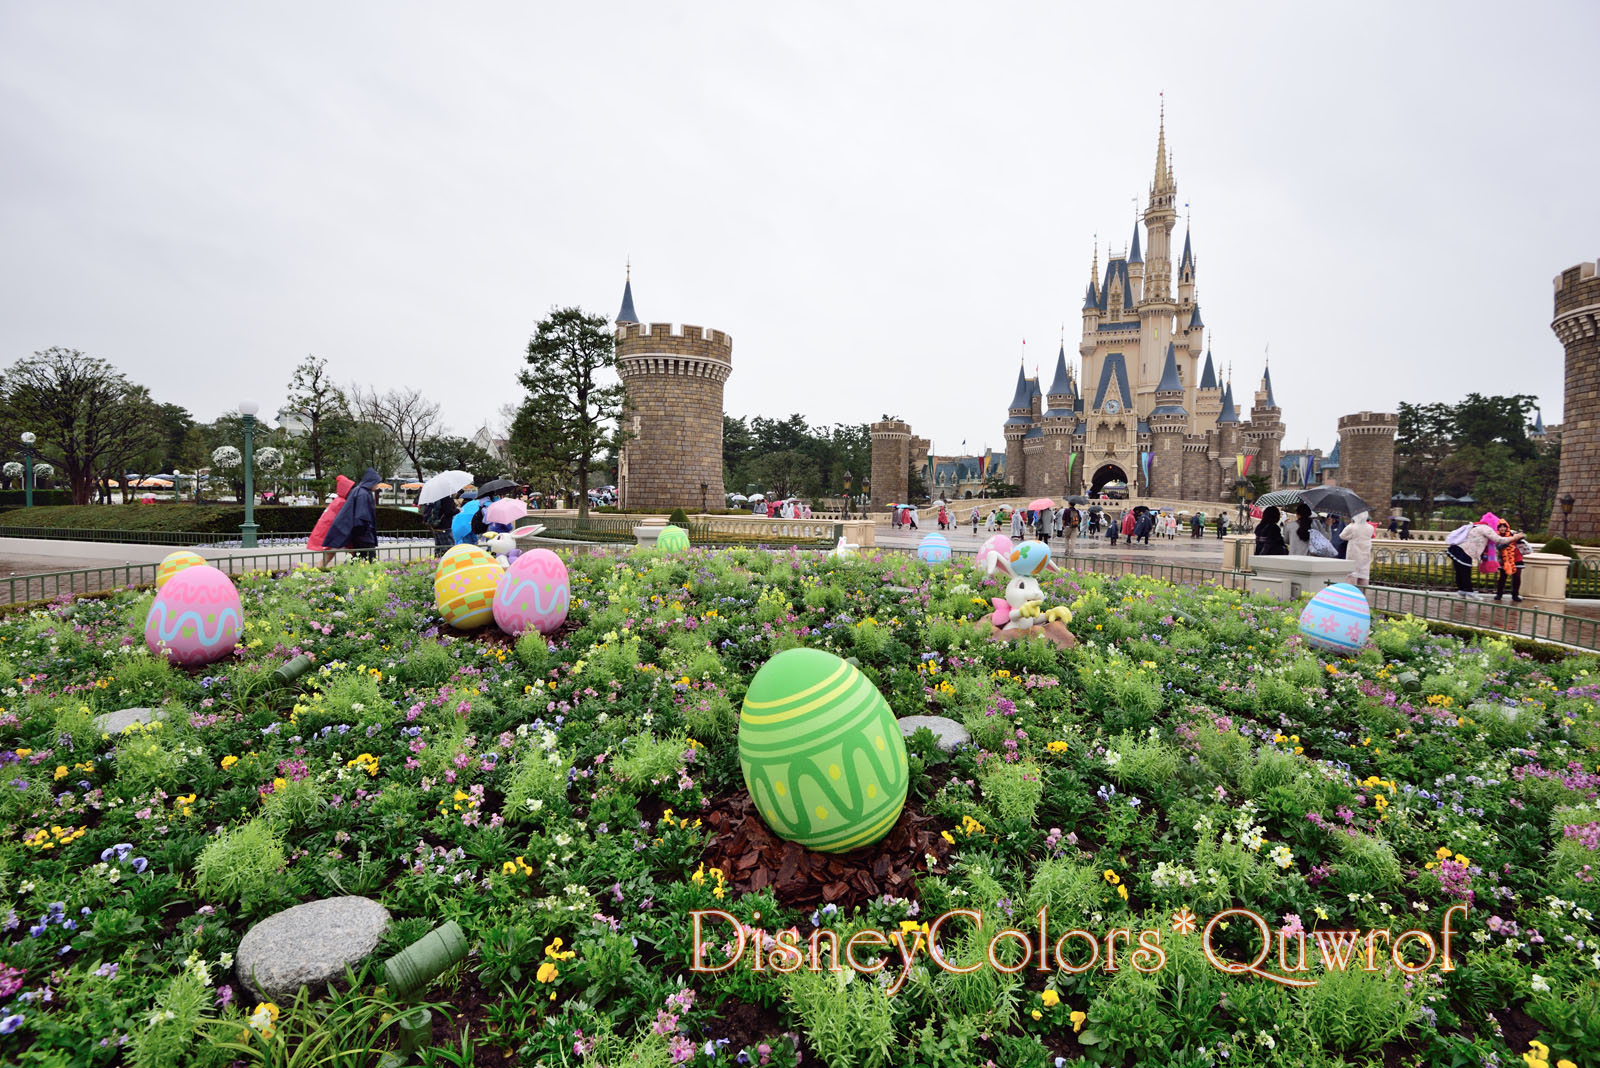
788, 473
368, 444
1425, 449
569, 416
447, 453
408, 415
324, 411
85, 412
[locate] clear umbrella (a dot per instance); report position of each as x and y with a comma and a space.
442, 485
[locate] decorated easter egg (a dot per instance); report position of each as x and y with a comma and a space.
821, 753
464, 586
998, 545
672, 539
176, 562
196, 617
1337, 619
934, 549
1030, 558
533, 594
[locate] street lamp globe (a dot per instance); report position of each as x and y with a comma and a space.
248, 407
28, 437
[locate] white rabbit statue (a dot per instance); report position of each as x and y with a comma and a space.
1022, 607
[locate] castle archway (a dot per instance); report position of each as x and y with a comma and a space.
1106, 473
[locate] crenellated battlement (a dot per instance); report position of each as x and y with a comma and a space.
1376, 423
891, 428
667, 339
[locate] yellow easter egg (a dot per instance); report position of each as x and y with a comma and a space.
176, 562
464, 585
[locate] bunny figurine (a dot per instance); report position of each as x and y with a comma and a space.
1022, 607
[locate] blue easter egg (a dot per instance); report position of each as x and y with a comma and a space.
1030, 558
935, 549
1337, 619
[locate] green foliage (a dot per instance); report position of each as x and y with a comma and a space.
845, 1016
240, 865
1013, 790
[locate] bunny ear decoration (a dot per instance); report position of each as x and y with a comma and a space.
996, 561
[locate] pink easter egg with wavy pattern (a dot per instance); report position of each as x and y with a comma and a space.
196, 617
998, 545
533, 594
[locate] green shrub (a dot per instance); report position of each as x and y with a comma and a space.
1146, 764
846, 1017
1561, 547
1012, 790
649, 759
679, 518
538, 780
240, 865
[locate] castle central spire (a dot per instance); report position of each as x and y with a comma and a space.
1162, 182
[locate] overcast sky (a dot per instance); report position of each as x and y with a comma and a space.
878, 201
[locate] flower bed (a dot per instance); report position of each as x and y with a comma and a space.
571, 802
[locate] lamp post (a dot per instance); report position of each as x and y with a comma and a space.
247, 529
703, 487
848, 478
28, 439
1241, 489
1567, 501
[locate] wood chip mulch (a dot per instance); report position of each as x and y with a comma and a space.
753, 858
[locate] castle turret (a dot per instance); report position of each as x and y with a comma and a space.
1207, 402
1265, 431
891, 462
1577, 325
1157, 308
1019, 420
1186, 273
1136, 265
627, 315
1365, 456
1167, 421
673, 378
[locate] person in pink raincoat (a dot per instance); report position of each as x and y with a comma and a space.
319, 533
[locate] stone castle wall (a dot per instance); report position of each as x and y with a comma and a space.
673, 414
1577, 324
1366, 457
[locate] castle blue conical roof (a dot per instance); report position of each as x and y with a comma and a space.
1062, 385
1170, 382
1538, 422
1134, 256
1188, 260
1266, 384
1195, 320
1208, 376
1091, 302
1021, 399
626, 315
1228, 414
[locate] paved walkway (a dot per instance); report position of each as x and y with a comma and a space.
1195, 552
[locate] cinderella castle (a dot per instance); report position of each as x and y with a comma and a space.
1149, 409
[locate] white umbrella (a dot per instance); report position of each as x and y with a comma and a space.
758, 496
442, 485
737, 497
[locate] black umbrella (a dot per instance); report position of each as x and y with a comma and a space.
499, 485
1078, 500
1335, 499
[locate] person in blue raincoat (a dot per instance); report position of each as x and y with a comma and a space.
356, 526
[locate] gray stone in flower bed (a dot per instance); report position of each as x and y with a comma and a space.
948, 732
119, 721
308, 944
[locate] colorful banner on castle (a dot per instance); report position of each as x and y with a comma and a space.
1144, 462
1310, 465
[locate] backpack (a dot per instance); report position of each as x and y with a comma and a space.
1458, 535
1320, 545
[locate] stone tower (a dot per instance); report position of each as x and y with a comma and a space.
1366, 457
1168, 421
1018, 422
1577, 324
1265, 432
673, 413
891, 462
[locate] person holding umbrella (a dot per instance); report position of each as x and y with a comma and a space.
470, 521
319, 533
437, 503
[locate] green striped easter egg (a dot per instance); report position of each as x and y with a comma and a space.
672, 539
821, 753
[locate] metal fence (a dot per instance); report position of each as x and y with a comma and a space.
1579, 631
1429, 566
49, 585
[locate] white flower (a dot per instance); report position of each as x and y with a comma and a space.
1539, 983
226, 456
269, 459
1282, 857
1113, 758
